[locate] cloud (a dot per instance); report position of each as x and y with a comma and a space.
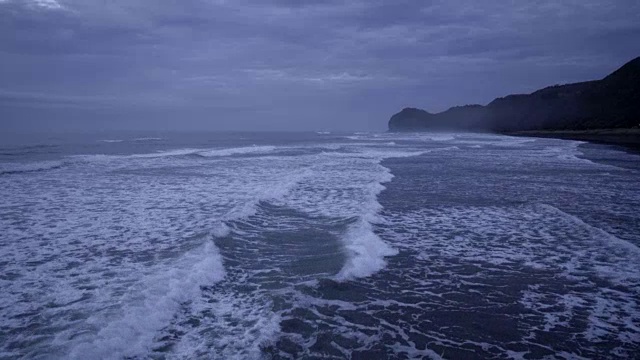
45, 100
344, 78
333, 57
35, 4
47, 4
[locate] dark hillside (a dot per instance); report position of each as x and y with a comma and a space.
613, 102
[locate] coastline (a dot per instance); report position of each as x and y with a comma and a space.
626, 138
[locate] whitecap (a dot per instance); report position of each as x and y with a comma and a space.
147, 139
236, 151
365, 250
150, 305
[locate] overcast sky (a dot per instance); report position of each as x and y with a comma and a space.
291, 65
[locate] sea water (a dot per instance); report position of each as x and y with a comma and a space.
307, 245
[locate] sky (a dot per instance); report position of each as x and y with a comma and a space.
291, 65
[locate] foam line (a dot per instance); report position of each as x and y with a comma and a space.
602, 235
147, 139
183, 152
237, 151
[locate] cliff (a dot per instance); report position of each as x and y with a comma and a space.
613, 102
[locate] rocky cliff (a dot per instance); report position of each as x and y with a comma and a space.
613, 102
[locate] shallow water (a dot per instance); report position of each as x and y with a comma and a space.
244, 245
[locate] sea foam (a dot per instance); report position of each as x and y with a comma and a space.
151, 306
366, 251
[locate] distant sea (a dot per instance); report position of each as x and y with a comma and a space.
317, 245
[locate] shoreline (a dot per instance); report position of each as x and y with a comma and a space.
626, 138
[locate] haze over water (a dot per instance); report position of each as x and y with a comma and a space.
306, 245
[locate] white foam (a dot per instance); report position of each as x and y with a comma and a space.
441, 137
237, 151
158, 154
267, 192
220, 229
132, 249
181, 152
606, 238
147, 139
151, 305
480, 140
241, 326
544, 238
568, 151
366, 252
177, 152
111, 141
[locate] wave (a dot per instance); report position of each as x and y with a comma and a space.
441, 137
147, 139
181, 152
315, 191
345, 185
155, 300
342, 145
177, 152
605, 237
236, 326
236, 151
111, 141
19, 168
366, 250
159, 154
568, 152
273, 193
381, 154
264, 149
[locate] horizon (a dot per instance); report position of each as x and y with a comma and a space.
87, 66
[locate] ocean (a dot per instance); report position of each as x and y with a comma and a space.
317, 245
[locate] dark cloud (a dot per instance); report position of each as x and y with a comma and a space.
285, 64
